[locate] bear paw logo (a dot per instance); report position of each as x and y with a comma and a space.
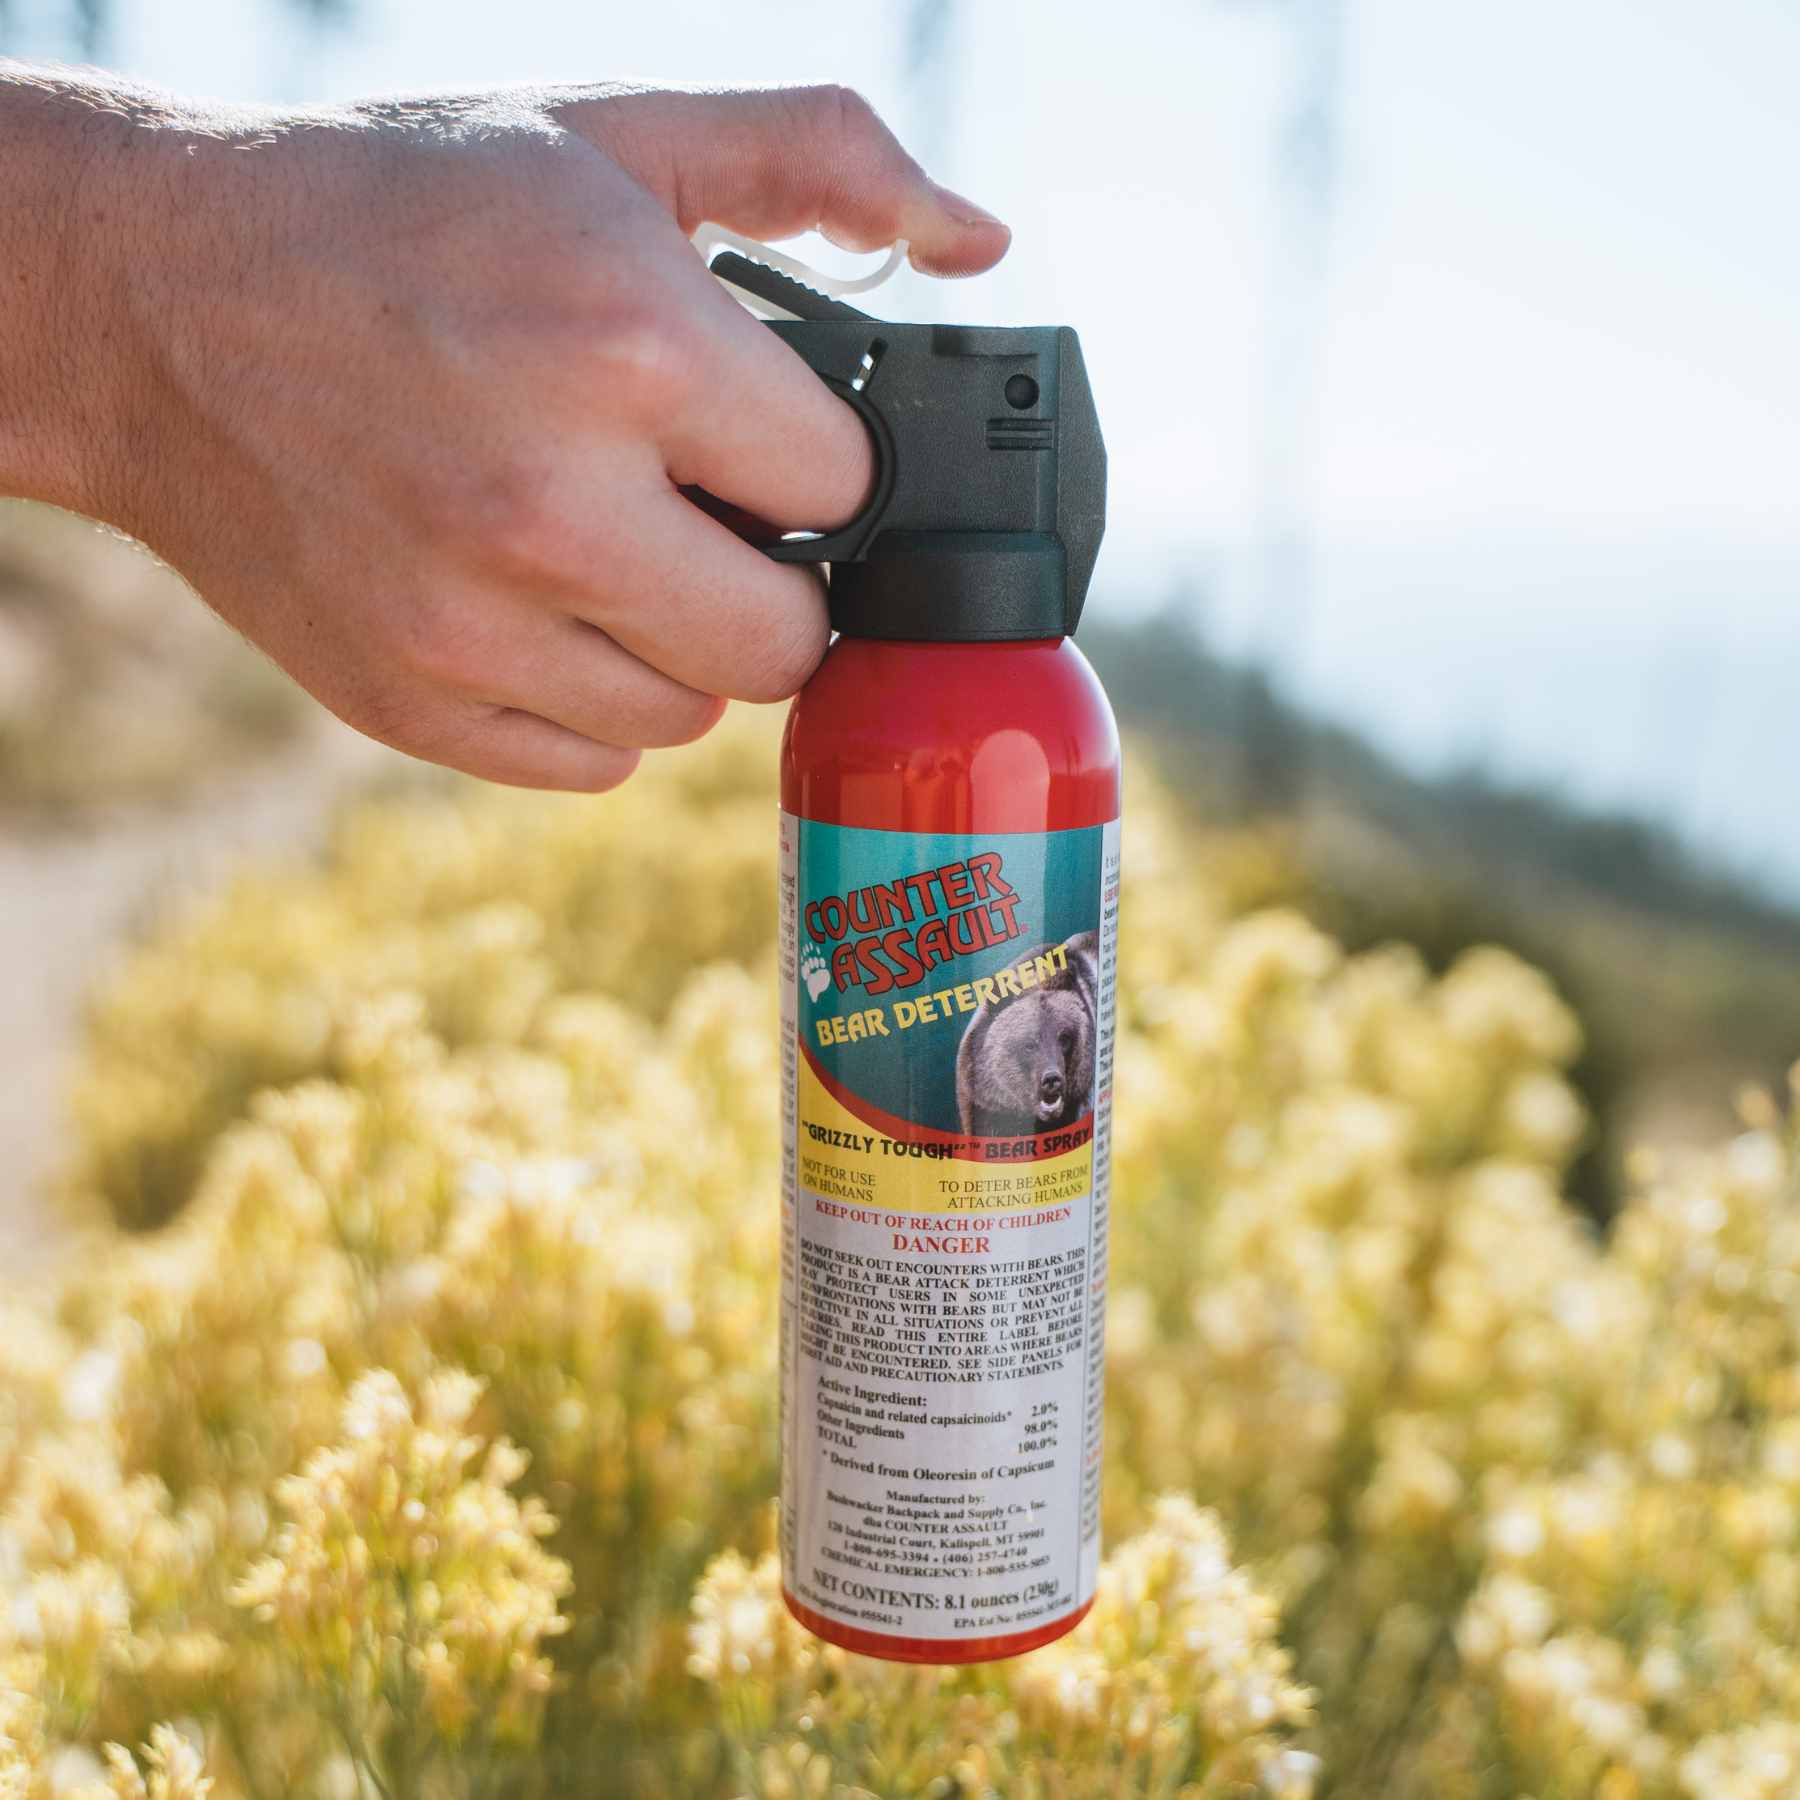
814, 972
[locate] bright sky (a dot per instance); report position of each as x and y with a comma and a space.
1558, 424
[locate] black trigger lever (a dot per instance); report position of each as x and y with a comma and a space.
773, 288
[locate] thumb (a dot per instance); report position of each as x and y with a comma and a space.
779, 161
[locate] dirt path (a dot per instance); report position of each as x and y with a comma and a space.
68, 905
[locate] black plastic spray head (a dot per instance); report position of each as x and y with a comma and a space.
990, 488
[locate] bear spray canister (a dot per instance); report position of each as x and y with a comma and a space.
948, 909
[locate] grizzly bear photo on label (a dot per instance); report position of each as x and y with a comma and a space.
1026, 1062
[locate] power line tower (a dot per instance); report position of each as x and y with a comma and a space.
926, 58
78, 29
1304, 180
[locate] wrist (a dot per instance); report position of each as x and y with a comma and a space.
49, 309
59, 207
81, 234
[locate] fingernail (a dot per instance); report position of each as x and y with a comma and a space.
965, 212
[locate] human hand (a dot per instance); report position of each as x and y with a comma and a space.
407, 391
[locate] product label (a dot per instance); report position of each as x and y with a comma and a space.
947, 1015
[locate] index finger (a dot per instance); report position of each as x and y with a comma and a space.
757, 427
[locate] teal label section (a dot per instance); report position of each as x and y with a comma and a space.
950, 980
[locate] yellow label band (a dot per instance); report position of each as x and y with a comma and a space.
841, 1157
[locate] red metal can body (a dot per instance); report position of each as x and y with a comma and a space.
957, 738
952, 737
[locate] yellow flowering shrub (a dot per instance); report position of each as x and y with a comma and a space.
425, 1445
414, 1591
1173, 1684
28, 1770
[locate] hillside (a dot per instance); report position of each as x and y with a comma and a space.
1687, 978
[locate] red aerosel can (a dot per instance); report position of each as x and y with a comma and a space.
949, 841
949, 905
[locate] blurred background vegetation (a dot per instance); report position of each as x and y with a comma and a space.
116, 689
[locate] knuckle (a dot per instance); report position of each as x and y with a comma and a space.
393, 716
644, 356
508, 517
586, 768
682, 719
859, 144
847, 111
605, 768
777, 667
444, 641
852, 149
